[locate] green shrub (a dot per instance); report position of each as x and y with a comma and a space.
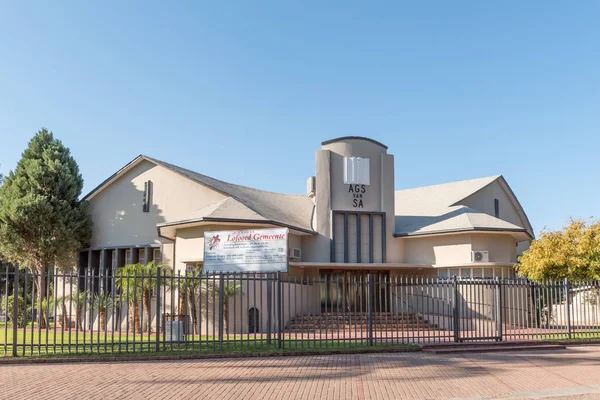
7, 306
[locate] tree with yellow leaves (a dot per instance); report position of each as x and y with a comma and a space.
572, 253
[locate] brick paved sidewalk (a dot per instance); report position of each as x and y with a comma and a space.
574, 372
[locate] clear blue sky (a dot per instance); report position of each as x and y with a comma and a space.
246, 92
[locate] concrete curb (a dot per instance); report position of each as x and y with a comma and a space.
177, 357
583, 343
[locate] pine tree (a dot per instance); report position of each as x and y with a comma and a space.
42, 220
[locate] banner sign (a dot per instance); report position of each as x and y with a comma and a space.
256, 250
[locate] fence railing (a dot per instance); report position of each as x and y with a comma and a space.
66, 313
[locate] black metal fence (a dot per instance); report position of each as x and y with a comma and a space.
65, 313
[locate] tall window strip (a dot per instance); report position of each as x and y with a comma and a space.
103, 262
358, 237
147, 200
496, 208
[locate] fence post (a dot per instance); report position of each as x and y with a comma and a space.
269, 308
455, 309
157, 313
279, 311
16, 310
370, 309
566, 284
499, 308
221, 311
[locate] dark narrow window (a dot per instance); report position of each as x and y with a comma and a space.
358, 237
253, 320
496, 208
156, 255
147, 196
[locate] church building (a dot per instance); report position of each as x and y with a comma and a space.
350, 220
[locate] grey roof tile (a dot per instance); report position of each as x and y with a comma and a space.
433, 209
287, 209
422, 210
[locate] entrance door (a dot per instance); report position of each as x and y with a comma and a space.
349, 290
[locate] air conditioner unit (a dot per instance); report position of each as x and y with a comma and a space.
295, 253
480, 256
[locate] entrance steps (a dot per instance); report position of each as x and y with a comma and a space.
490, 347
382, 322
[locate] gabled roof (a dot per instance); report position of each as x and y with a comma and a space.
227, 208
454, 219
421, 211
294, 211
437, 209
427, 199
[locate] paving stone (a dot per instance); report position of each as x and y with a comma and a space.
572, 372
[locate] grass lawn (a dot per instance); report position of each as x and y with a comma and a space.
261, 347
70, 343
575, 337
33, 342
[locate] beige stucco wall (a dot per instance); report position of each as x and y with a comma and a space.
395, 248
316, 247
501, 247
483, 201
295, 241
117, 210
456, 249
168, 257
522, 247
446, 249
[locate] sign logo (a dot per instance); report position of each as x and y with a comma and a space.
213, 242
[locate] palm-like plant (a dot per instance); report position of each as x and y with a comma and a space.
229, 290
79, 299
63, 318
136, 281
150, 273
188, 288
46, 304
128, 281
102, 302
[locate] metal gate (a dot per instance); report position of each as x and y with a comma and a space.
477, 310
